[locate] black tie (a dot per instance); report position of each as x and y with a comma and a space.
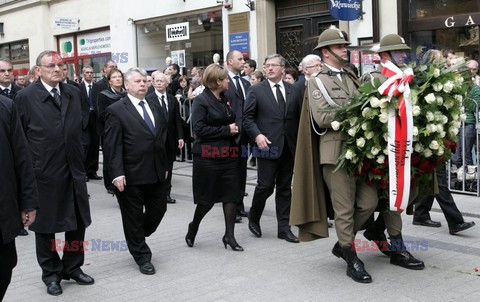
147, 118
164, 106
90, 97
56, 98
239, 87
280, 100
6, 92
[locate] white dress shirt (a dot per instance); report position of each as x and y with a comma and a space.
159, 95
339, 76
274, 89
232, 76
136, 104
49, 88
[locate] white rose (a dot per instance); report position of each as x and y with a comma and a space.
430, 98
380, 159
448, 86
457, 124
375, 150
349, 154
438, 116
436, 73
383, 118
385, 136
444, 119
448, 104
430, 117
370, 155
369, 134
374, 102
335, 125
383, 103
365, 126
453, 131
458, 97
415, 131
439, 100
353, 120
360, 142
385, 151
463, 117
440, 151
431, 128
416, 110
459, 81
434, 145
352, 131
455, 116
437, 86
462, 109
418, 148
442, 134
365, 111
414, 98
427, 152
439, 128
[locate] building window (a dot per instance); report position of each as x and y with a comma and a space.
17, 52
437, 8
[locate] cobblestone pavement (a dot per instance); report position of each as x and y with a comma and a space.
268, 270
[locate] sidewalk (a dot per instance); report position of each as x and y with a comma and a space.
268, 270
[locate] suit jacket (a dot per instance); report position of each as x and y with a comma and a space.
54, 139
98, 87
17, 180
13, 92
105, 99
300, 84
132, 149
211, 120
238, 104
333, 142
174, 122
262, 116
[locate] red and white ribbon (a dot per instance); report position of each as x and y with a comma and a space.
400, 134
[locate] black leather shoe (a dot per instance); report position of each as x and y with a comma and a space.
110, 191
427, 222
330, 225
94, 176
461, 227
355, 268
337, 251
242, 214
54, 288
238, 219
233, 244
288, 236
147, 268
170, 199
380, 240
23, 232
255, 229
245, 194
82, 279
406, 260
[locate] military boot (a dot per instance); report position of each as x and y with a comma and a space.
401, 257
355, 269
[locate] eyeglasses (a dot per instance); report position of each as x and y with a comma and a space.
311, 66
271, 65
52, 65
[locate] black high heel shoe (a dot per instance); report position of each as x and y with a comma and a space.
235, 247
190, 237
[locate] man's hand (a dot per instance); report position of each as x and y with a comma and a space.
262, 142
181, 143
233, 129
120, 183
28, 218
166, 174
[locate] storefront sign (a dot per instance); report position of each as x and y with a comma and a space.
346, 10
240, 42
177, 32
460, 22
94, 43
238, 23
66, 23
444, 22
66, 46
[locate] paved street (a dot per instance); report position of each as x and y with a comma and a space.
268, 270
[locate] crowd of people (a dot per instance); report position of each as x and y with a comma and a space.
52, 130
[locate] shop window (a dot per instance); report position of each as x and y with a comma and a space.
17, 52
436, 8
463, 40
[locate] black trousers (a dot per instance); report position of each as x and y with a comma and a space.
137, 223
8, 260
107, 180
54, 268
444, 199
91, 158
242, 171
168, 181
271, 173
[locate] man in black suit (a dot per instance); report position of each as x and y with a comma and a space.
91, 158
51, 115
173, 86
168, 105
135, 136
19, 198
271, 119
236, 94
311, 64
6, 78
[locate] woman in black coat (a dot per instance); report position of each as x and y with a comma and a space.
106, 98
215, 175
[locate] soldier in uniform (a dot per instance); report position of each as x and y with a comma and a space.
392, 48
353, 201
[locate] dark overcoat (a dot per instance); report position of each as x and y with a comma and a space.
54, 137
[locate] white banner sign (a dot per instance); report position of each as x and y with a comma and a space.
177, 32
65, 23
93, 43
